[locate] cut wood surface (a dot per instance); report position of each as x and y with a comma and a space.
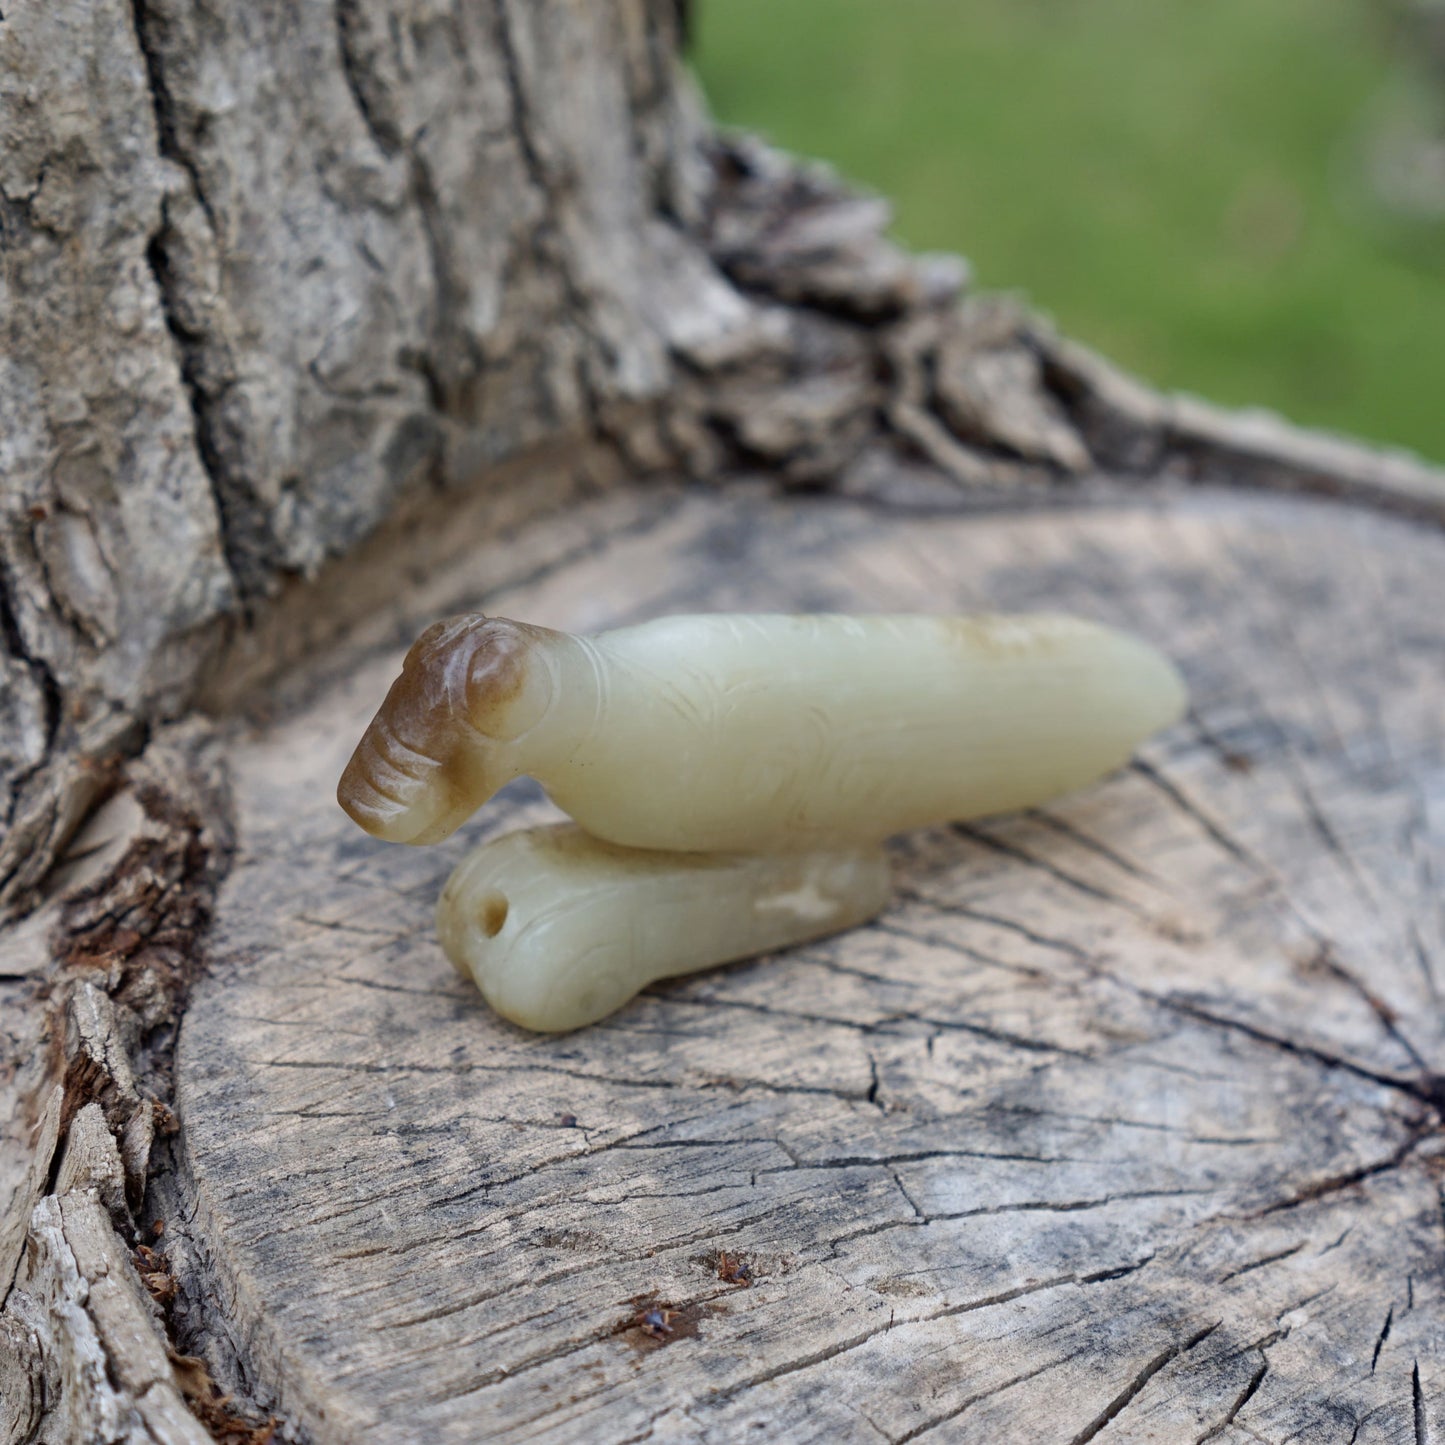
1122, 1122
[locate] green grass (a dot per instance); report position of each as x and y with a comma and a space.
1176, 182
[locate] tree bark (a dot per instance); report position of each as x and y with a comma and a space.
325, 320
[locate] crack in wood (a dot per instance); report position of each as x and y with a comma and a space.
1384, 1335
1131, 1391
1250, 1390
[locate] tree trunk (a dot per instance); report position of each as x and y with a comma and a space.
1123, 1122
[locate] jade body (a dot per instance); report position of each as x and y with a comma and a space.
756, 733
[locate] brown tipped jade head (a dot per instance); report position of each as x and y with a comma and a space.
444, 739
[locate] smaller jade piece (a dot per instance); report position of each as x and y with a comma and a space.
558, 929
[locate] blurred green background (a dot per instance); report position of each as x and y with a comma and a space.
1184, 184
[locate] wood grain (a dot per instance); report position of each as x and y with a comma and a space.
1123, 1122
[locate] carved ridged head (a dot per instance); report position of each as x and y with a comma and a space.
430, 757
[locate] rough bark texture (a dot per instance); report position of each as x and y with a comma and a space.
322, 320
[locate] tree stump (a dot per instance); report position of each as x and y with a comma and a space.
1122, 1122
